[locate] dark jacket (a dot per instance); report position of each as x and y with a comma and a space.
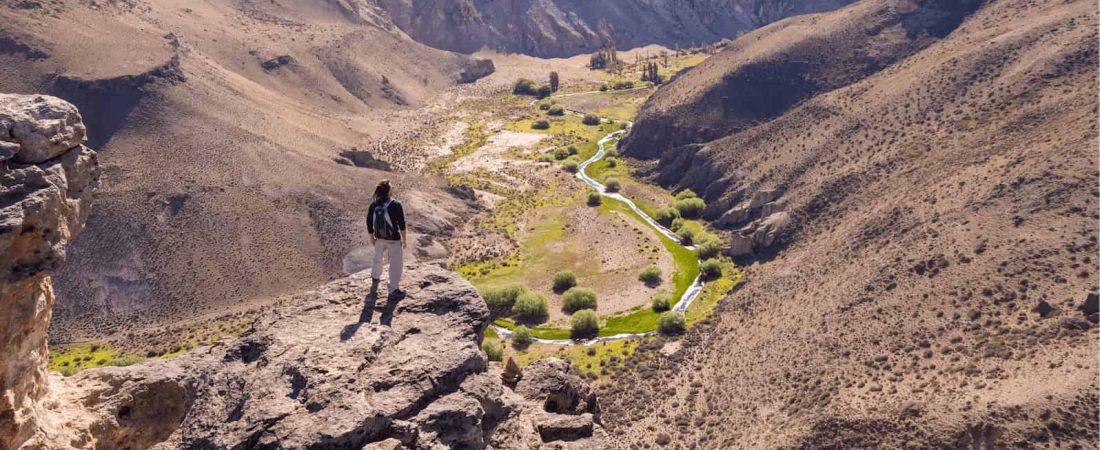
390, 229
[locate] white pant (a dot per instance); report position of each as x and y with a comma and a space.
384, 250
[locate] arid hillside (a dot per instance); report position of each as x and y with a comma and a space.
934, 285
230, 132
555, 28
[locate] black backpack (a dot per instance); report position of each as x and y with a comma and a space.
380, 220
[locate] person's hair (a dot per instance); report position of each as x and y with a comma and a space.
382, 192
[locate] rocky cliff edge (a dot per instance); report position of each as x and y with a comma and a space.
318, 370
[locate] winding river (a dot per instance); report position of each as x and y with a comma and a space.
682, 303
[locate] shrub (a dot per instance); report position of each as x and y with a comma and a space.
544, 106
671, 322
573, 150
556, 110
612, 162
586, 324
690, 207
687, 237
564, 280
524, 86
521, 337
530, 307
710, 269
501, 299
709, 249
594, 198
613, 185
686, 193
494, 351
570, 165
612, 153
603, 87
650, 275
677, 224
591, 119
624, 85
546, 158
544, 91
661, 302
665, 216
561, 153
541, 124
576, 299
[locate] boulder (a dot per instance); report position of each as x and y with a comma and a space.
1091, 304
553, 384
36, 128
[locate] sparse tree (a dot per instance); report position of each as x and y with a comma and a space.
554, 81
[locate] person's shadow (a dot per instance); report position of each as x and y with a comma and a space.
367, 314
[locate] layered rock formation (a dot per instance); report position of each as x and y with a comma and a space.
556, 28
46, 181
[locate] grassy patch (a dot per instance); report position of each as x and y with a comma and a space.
73, 358
713, 292
598, 361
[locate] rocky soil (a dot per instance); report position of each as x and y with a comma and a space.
933, 283
562, 28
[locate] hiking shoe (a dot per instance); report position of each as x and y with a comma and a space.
397, 294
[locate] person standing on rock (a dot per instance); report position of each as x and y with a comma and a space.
386, 225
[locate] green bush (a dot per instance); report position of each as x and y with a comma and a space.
544, 106
572, 149
594, 198
530, 307
564, 280
501, 299
612, 153
661, 302
671, 322
546, 158
521, 337
561, 153
576, 299
603, 87
709, 249
690, 208
650, 275
544, 91
556, 110
591, 119
612, 162
686, 193
586, 324
665, 216
494, 351
571, 164
613, 185
687, 237
524, 86
541, 124
710, 269
624, 85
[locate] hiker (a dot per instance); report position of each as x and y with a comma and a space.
386, 226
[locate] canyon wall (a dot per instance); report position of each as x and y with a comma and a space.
561, 28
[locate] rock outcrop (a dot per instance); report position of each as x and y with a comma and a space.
46, 181
321, 369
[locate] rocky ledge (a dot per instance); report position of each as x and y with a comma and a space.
319, 370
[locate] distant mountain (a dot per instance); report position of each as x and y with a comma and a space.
553, 28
